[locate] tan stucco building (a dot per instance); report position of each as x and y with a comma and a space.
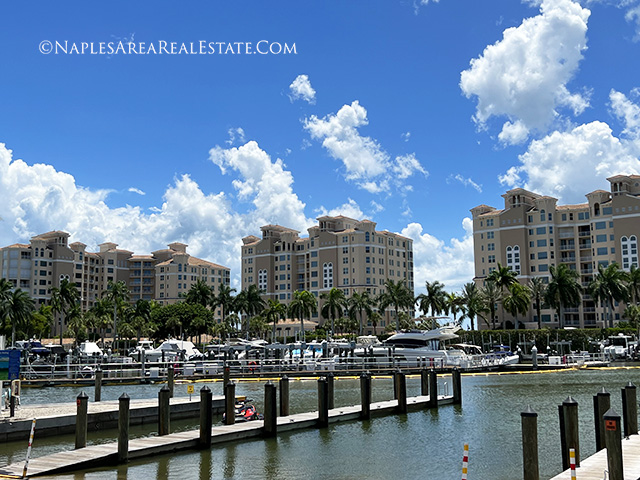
532, 232
339, 252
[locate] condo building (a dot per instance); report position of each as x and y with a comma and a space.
339, 252
532, 233
164, 276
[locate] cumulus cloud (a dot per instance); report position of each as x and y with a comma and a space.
626, 111
136, 190
434, 259
567, 165
349, 209
524, 76
301, 89
365, 161
38, 198
467, 182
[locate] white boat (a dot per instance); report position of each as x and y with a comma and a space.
89, 351
501, 355
418, 348
170, 350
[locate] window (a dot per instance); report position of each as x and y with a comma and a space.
262, 280
541, 230
601, 225
490, 235
327, 275
629, 250
491, 247
513, 258
345, 250
542, 212
601, 238
542, 242
366, 236
542, 255
491, 259
490, 222
543, 268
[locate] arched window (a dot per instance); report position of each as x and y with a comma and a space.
629, 252
513, 258
327, 275
366, 236
262, 280
596, 209
542, 212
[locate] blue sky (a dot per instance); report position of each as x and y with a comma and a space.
403, 112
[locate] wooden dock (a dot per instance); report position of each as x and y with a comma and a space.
593, 467
106, 454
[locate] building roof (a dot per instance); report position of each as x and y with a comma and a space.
580, 206
52, 233
279, 228
18, 245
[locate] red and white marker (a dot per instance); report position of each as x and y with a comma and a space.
465, 461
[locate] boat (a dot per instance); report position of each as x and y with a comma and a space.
619, 346
414, 348
89, 351
171, 350
501, 355
245, 412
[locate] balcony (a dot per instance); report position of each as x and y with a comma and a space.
568, 247
566, 235
568, 260
586, 259
589, 309
586, 271
584, 234
585, 245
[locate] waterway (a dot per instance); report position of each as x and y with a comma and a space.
422, 445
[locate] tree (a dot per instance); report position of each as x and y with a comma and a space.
503, 277
6, 288
517, 300
490, 295
99, 316
41, 322
200, 293
398, 295
118, 294
334, 305
224, 300
275, 311
302, 305
17, 310
609, 285
634, 284
139, 317
375, 318
433, 300
538, 290
250, 303
360, 302
258, 326
453, 304
76, 324
180, 318
472, 302
63, 298
563, 290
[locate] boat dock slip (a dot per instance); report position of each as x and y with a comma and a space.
593, 467
59, 418
101, 455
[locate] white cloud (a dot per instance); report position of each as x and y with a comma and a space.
449, 263
301, 89
406, 136
136, 190
567, 165
376, 207
235, 134
38, 198
349, 209
627, 111
524, 76
365, 161
467, 182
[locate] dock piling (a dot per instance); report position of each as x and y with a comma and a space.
98, 385
170, 379
284, 396
82, 420
123, 428
456, 381
613, 440
331, 390
323, 402
206, 417
601, 403
163, 411
433, 389
365, 396
630, 410
400, 380
270, 410
424, 382
226, 373
530, 463
569, 435
230, 403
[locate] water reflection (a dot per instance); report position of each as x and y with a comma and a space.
206, 470
271, 459
229, 462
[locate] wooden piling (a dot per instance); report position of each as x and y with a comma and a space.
170, 379
270, 428
123, 428
163, 411
284, 396
226, 374
601, 403
365, 396
230, 403
206, 417
331, 390
82, 419
456, 380
613, 440
98, 385
433, 389
630, 410
323, 403
424, 382
401, 387
569, 434
530, 463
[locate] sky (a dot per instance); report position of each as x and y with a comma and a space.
145, 123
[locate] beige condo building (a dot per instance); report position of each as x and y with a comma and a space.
164, 276
532, 232
339, 252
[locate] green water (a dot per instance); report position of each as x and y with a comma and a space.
426, 444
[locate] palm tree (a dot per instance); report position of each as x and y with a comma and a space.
609, 284
42, 322
361, 302
517, 301
275, 311
490, 296
472, 301
250, 303
375, 318
563, 290
63, 298
634, 284
503, 277
224, 300
434, 299
99, 316
398, 295
17, 311
302, 305
118, 294
453, 304
140, 317
334, 305
538, 289
200, 293
76, 324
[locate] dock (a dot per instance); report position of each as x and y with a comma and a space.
106, 454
